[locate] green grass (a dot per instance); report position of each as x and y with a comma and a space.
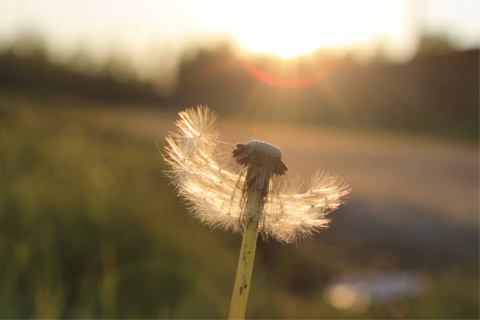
90, 228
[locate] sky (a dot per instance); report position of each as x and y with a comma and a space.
154, 34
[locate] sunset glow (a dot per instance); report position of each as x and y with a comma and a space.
293, 28
155, 35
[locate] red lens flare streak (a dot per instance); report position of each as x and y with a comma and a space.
288, 82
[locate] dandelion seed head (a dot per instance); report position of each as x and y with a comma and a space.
214, 177
261, 161
266, 148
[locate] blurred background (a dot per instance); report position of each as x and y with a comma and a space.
382, 93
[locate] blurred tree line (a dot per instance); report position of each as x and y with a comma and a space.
27, 67
436, 91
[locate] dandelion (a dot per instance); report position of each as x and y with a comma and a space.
246, 189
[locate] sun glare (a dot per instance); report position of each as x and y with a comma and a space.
292, 28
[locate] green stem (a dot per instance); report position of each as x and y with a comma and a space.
241, 288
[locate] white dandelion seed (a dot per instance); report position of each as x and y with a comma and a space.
213, 177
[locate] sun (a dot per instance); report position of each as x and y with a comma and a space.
293, 28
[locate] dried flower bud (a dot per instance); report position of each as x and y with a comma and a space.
261, 160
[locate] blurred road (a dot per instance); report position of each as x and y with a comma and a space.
420, 191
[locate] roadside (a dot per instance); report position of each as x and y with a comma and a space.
425, 189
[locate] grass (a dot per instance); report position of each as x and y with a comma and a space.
89, 223
91, 229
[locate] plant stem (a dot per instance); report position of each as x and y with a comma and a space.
254, 207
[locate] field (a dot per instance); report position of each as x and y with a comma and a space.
91, 228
